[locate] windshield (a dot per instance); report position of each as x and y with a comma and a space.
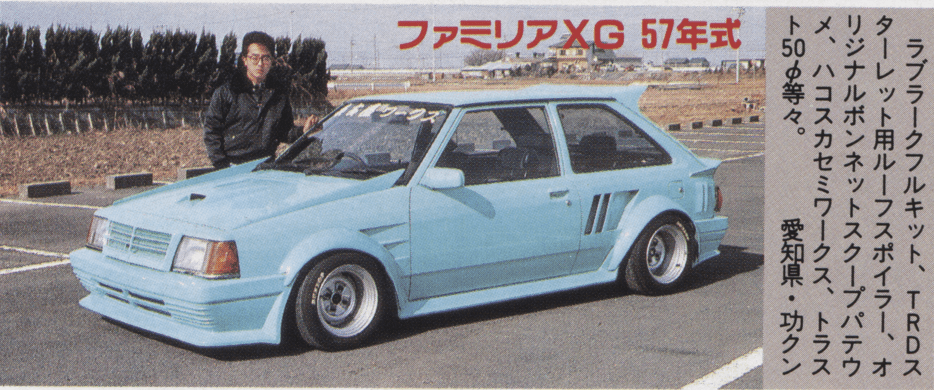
365, 139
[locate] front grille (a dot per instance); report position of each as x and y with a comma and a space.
200, 318
138, 240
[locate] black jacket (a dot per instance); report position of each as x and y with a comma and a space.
241, 125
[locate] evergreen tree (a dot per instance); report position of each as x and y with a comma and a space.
134, 85
227, 64
182, 62
206, 55
30, 64
85, 71
308, 62
74, 66
15, 41
282, 47
118, 63
3, 64
77, 65
53, 85
153, 74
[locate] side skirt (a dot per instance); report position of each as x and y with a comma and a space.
422, 307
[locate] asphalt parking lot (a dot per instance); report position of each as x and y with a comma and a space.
588, 338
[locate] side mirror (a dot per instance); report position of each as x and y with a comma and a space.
443, 178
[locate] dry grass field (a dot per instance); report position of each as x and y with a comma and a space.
87, 159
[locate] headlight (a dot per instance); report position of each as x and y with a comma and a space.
97, 233
210, 259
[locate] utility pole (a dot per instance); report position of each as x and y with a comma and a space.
375, 53
291, 13
351, 54
739, 14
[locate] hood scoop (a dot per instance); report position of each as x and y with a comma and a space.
195, 197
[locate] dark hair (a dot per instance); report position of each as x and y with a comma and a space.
261, 38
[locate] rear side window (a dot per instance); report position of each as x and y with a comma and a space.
599, 139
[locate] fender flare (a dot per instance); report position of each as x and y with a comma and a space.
327, 241
312, 249
636, 219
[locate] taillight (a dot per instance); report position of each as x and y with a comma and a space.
716, 208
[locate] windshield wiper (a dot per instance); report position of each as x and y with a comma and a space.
365, 171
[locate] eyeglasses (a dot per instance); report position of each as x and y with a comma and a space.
256, 59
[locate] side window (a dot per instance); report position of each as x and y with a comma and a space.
599, 139
502, 144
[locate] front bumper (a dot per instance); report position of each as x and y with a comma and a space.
197, 311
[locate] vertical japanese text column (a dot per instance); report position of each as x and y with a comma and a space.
849, 270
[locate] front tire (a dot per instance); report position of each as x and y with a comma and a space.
661, 258
341, 301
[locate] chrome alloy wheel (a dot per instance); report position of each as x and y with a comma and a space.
667, 253
347, 300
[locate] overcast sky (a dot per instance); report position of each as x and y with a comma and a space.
369, 33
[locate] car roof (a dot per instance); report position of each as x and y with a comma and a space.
627, 95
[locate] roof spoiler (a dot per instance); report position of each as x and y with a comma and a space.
710, 166
629, 96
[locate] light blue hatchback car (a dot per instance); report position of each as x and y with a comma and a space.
406, 205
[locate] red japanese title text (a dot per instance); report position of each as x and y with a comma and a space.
605, 34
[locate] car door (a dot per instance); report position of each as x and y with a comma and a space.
515, 220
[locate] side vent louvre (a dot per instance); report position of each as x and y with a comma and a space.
597, 217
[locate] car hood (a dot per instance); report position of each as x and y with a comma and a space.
231, 201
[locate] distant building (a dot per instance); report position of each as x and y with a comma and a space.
511, 65
697, 64
345, 67
573, 59
578, 58
490, 70
744, 64
624, 62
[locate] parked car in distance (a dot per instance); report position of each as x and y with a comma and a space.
406, 205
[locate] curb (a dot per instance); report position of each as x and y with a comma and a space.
713, 123
44, 189
188, 173
116, 182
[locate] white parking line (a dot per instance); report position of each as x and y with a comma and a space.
727, 126
744, 157
717, 141
695, 150
34, 266
730, 372
26, 202
724, 134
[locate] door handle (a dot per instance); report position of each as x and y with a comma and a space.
555, 194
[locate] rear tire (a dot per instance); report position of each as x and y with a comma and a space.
661, 258
341, 302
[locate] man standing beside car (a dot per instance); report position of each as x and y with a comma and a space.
251, 114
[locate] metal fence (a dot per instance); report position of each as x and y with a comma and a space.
37, 122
